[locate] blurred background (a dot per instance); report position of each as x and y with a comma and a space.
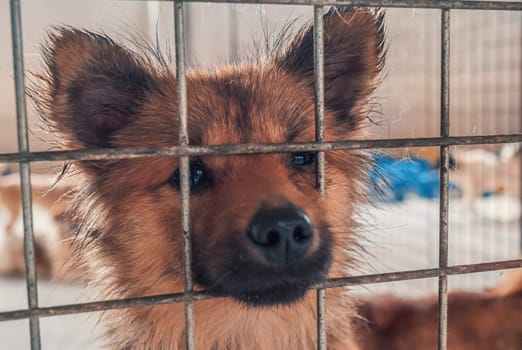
400, 229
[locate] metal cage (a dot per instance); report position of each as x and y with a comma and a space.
184, 150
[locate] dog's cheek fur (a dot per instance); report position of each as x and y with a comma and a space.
345, 190
148, 251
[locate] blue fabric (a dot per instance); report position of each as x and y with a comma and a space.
392, 179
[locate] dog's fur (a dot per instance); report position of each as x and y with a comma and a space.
52, 249
488, 320
43, 193
98, 94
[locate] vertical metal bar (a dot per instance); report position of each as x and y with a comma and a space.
321, 319
520, 130
319, 136
233, 34
468, 98
184, 169
25, 171
188, 22
444, 178
319, 91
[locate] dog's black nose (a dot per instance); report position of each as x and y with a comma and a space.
283, 234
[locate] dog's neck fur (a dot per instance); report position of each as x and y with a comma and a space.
233, 326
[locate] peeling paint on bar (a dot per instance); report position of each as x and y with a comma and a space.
184, 170
195, 150
184, 151
319, 137
428, 4
319, 91
444, 180
25, 171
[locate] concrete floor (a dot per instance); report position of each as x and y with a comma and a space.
76, 332
404, 236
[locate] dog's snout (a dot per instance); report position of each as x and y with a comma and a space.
282, 234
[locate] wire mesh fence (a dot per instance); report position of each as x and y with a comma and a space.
185, 150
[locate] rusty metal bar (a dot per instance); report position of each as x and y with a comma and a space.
233, 36
184, 151
444, 179
319, 137
96, 306
25, 171
319, 91
427, 4
520, 165
321, 319
195, 150
184, 170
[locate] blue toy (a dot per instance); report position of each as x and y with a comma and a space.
392, 179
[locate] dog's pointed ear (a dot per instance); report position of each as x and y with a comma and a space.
94, 87
353, 58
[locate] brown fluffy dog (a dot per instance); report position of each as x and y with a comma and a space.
489, 320
261, 232
52, 198
52, 250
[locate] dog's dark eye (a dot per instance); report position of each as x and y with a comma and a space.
303, 159
198, 176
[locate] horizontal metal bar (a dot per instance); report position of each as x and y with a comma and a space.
428, 4
182, 297
194, 150
418, 274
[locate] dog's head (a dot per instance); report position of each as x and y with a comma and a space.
261, 231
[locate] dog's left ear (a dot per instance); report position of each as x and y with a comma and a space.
353, 58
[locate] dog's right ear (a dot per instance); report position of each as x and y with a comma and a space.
94, 87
